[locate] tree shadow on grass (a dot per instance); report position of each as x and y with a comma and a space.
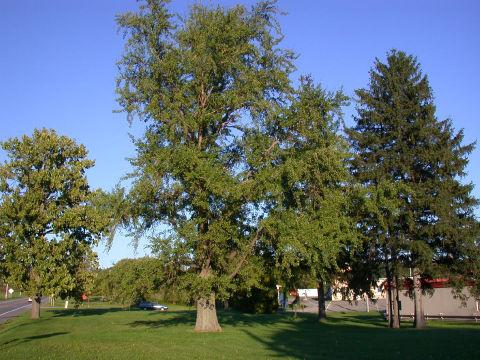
372, 319
225, 318
19, 341
166, 319
87, 312
233, 318
342, 336
355, 336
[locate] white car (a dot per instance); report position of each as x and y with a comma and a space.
147, 305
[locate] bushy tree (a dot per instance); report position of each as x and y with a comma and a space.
130, 280
309, 224
402, 147
205, 86
47, 222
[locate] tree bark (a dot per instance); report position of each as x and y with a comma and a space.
207, 320
389, 300
322, 312
36, 307
419, 320
396, 312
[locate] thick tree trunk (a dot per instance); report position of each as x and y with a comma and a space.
36, 307
396, 312
322, 312
419, 320
207, 320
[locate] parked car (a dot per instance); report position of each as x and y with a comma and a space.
147, 305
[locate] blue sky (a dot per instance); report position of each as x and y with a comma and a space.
57, 67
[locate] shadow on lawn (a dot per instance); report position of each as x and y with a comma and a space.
170, 318
85, 312
359, 336
19, 341
226, 318
342, 336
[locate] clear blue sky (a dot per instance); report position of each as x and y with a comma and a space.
57, 66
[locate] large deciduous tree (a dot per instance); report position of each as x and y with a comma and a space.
401, 145
205, 86
47, 222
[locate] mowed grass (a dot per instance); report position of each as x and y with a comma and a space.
114, 333
13, 296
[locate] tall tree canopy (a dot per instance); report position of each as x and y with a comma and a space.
47, 222
206, 86
309, 224
412, 163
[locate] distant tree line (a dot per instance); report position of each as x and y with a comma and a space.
130, 281
245, 179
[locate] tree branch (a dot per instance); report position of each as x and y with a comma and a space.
265, 154
245, 254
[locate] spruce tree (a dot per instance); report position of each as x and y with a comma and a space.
399, 141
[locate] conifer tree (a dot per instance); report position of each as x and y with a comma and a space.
399, 141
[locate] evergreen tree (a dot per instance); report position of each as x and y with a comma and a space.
398, 141
205, 86
375, 210
47, 222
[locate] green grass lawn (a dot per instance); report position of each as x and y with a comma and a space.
114, 333
15, 295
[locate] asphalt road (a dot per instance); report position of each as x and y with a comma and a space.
11, 308
311, 305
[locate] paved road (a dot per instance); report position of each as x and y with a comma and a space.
344, 306
11, 308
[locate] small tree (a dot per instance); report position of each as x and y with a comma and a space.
48, 224
205, 85
399, 141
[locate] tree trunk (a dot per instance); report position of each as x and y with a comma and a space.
396, 312
322, 312
207, 320
36, 307
419, 320
389, 301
